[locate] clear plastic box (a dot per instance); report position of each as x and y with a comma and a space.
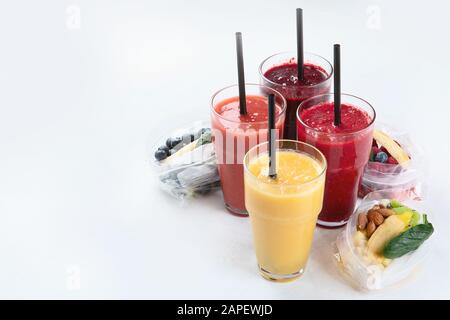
363, 273
191, 174
408, 177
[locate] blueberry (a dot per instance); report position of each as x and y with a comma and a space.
176, 141
381, 157
165, 149
172, 142
187, 138
160, 155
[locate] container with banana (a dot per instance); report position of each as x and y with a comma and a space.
395, 162
383, 242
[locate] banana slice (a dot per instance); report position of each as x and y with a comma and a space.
187, 148
389, 229
391, 146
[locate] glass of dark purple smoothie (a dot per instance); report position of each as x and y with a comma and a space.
279, 72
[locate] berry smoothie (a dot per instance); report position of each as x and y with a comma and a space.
234, 134
283, 78
346, 148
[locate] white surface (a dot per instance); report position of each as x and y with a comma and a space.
78, 106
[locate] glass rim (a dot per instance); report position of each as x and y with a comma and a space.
319, 175
339, 134
283, 107
294, 55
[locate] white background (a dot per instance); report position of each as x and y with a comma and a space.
81, 215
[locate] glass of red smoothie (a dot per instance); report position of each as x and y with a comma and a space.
280, 73
234, 134
346, 148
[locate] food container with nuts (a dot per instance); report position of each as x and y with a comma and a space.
385, 240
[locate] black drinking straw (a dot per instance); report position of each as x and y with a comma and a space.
272, 154
241, 77
300, 57
337, 84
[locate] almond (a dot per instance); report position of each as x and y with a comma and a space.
371, 227
386, 212
375, 216
362, 221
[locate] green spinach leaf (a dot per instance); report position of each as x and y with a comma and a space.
408, 241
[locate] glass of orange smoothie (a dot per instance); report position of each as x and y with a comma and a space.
283, 211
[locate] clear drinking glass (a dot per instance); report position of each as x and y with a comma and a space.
283, 211
234, 135
295, 93
347, 155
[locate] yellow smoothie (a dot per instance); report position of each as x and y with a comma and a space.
284, 211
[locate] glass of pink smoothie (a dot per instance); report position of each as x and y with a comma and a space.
280, 73
346, 148
234, 134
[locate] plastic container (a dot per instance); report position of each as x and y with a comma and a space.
190, 173
407, 177
362, 272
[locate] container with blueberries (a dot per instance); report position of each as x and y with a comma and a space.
395, 162
185, 162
